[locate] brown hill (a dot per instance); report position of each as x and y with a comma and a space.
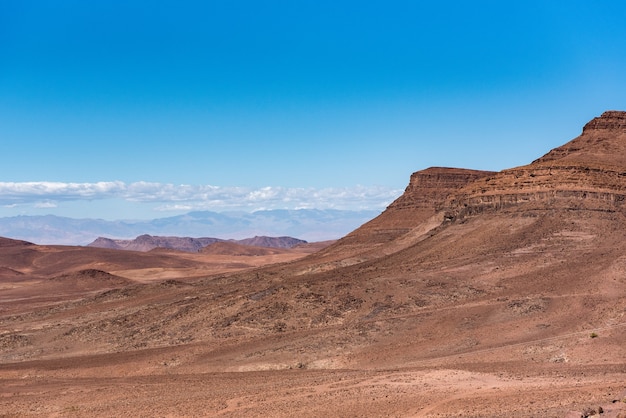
89, 278
44, 261
68, 285
474, 294
8, 242
21, 261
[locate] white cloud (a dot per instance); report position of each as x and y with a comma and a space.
171, 197
45, 205
25, 191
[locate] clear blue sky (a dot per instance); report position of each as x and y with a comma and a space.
254, 104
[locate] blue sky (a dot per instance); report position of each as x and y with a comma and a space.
142, 109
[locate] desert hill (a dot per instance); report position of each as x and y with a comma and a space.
45, 261
474, 294
33, 274
8, 242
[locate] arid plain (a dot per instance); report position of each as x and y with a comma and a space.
474, 294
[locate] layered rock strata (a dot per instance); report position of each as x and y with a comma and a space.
588, 172
427, 193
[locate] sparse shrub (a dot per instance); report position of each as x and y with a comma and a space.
593, 335
588, 413
280, 326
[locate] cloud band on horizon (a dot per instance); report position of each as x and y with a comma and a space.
171, 197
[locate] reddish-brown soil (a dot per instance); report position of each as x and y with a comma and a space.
474, 294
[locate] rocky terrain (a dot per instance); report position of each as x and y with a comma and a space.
474, 294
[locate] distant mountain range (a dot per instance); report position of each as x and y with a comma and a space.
307, 224
148, 242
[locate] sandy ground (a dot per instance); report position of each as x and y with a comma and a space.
66, 389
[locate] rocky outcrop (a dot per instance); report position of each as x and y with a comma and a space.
613, 120
548, 186
429, 189
602, 143
427, 193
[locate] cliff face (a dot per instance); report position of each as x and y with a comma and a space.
426, 194
429, 189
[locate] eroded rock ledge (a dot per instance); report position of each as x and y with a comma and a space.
610, 120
